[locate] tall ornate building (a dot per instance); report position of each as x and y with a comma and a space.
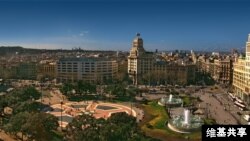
147, 67
241, 75
139, 61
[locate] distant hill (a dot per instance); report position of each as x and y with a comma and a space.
5, 50
8, 50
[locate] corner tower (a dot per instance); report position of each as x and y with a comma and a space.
137, 46
247, 71
136, 52
248, 46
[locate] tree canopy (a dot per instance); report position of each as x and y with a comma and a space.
119, 126
38, 126
21, 100
81, 87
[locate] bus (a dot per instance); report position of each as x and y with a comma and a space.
231, 96
241, 106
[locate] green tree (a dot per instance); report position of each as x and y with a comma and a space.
124, 126
28, 106
81, 88
83, 128
67, 88
21, 100
16, 123
35, 126
28, 94
3, 103
116, 89
120, 126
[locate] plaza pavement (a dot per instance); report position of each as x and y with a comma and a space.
215, 102
229, 105
215, 108
5, 137
68, 111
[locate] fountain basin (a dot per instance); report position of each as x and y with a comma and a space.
185, 123
170, 101
104, 107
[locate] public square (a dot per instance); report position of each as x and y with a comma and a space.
67, 111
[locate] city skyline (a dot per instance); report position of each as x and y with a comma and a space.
124, 69
185, 24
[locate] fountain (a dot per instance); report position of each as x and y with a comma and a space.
170, 98
170, 101
186, 117
185, 123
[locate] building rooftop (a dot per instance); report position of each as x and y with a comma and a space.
90, 59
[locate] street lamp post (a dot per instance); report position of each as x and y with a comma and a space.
61, 102
109, 94
41, 92
207, 109
131, 108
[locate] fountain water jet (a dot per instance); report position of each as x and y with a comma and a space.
170, 98
170, 101
186, 117
185, 123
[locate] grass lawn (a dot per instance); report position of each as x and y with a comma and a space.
159, 113
154, 124
209, 121
186, 101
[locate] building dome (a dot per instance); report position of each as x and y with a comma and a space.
138, 42
137, 46
138, 38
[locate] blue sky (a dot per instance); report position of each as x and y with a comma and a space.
111, 25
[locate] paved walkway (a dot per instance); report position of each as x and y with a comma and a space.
97, 109
5, 137
233, 109
215, 109
53, 97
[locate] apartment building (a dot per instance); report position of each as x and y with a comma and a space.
241, 75
93, 70
46, 69
220, 68
26, 70
223, 70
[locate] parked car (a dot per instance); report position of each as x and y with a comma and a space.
247, 118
